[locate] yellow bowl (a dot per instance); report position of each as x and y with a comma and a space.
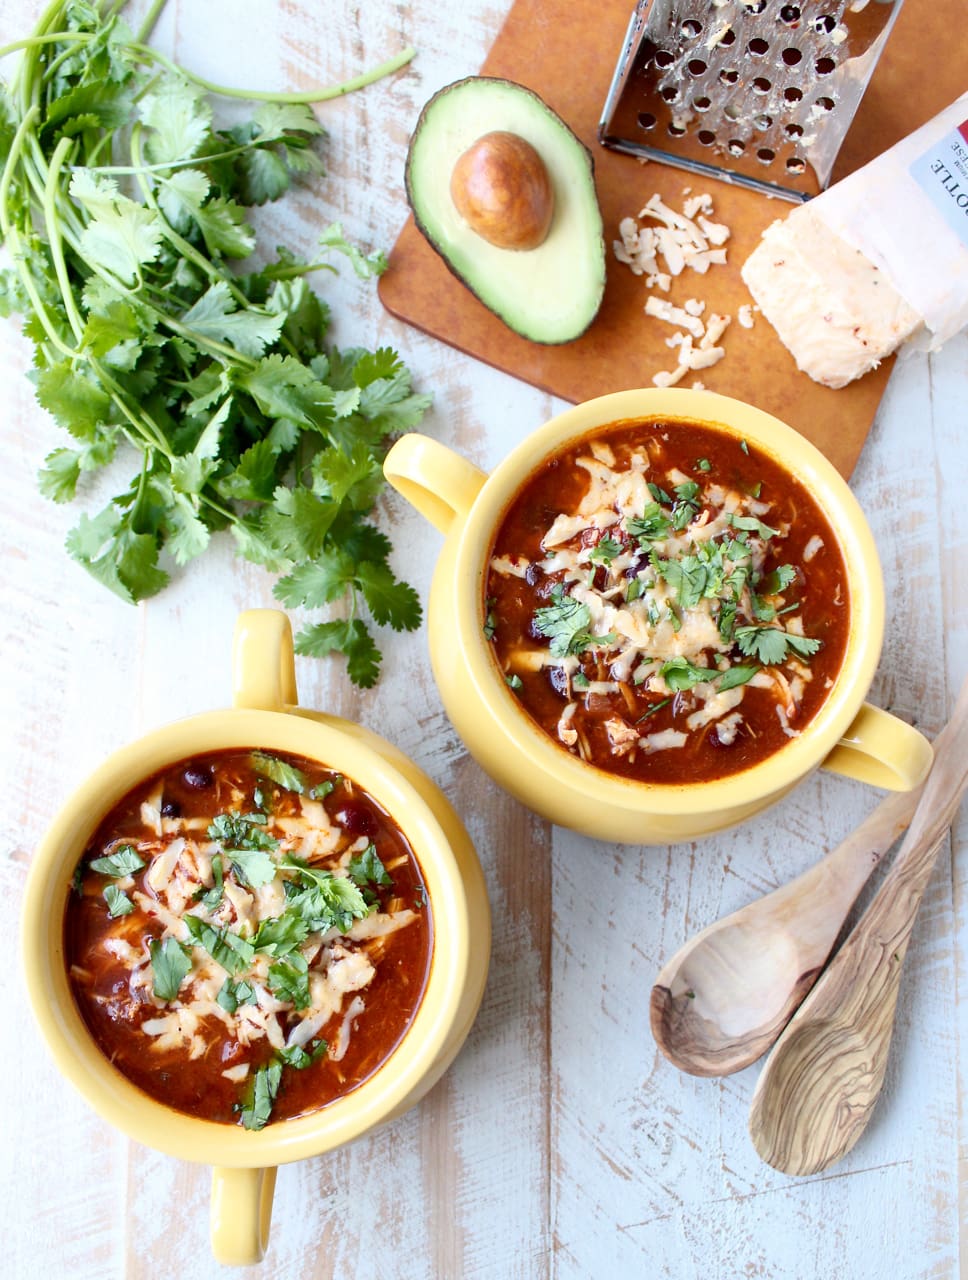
265, 715
847, 735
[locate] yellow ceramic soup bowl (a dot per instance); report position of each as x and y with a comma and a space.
847, 735
265, 715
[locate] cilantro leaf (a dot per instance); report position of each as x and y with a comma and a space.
233, 952
367, 868
680, 674
232, 994
732, 677
298, 1057
651, 526
751, 525
289, 980
262, 1093
565, 621
125, 861
286, 775
170, 965
119, 904
771, 645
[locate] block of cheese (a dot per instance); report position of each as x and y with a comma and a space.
873, 263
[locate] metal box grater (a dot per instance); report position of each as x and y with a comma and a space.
755, 92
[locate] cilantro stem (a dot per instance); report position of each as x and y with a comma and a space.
320, 94
55, 37
54, 235
151, 17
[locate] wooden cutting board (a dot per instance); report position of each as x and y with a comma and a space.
567, 54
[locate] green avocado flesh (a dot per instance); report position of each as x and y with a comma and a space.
551, 293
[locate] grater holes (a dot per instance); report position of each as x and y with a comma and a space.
762, 122
793, 94
735, 146
824, 104
824, 24
733, 111
669, 93
757, 47
728, 75
754, 9
702, 103
690, 29
824, 66
762, 85
706, 137
696, 67
790, 14
793, 130
791, 57
676, 130
796, 165
728, 37
647, 120
663, 58
766, 155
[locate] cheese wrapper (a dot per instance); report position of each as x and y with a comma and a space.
878, 260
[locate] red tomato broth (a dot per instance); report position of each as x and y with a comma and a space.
114, 1011
511, 602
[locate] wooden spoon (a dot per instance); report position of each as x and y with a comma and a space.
720, 1002
819, 1085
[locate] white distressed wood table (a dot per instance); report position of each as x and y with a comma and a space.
561, 1143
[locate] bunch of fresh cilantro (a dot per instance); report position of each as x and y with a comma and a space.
123, 208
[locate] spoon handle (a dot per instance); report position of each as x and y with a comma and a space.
820, 1083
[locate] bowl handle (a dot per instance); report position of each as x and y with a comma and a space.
882, 750
241, 1211
437, 481
263, 667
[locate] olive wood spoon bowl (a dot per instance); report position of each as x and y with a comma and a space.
720, 1002
819, 1086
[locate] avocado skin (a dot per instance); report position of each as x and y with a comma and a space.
550, 294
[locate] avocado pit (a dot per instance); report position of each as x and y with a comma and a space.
501, 188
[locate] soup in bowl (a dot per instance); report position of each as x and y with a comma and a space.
254, 935
659, 613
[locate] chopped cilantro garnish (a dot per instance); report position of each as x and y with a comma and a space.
744, 446
656, 706
771, 645
123, 862
659, 494
300, 1058
119, 904
490, 619
651, 526
681, 674
324, 901
170, 964
210, 898
734, 676
261, 1095
366, 868
751, 525
285, 775
604, 551
234, 953
565, 621
778, 580
513, 682
232, 994
580, 681
633, 589
322, 789
246, 845
289, 980
685, 507
703, 464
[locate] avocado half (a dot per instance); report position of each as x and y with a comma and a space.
551, 293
